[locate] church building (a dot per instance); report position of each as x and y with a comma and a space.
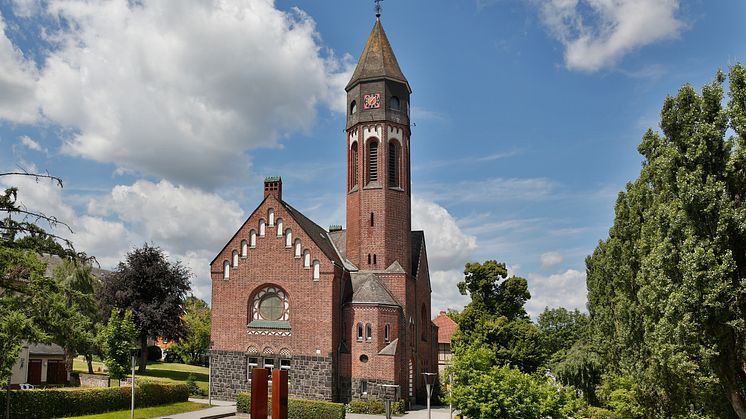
345, 311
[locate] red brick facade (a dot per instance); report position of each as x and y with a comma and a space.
345, 311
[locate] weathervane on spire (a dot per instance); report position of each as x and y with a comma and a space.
378, 8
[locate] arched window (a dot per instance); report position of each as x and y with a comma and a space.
244, 248
353, 165
235, 258
297, 248
262, 227
306, 258
316, 270
353, 107
226, 269
252, 238
279, 227
368, 332
270, 304
393, 164
271, 216
395, 105
387, 332
360, 331
372, 161
288, 238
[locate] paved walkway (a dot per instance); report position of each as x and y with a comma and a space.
219, 409
223, 409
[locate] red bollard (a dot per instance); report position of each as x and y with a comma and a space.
279, 394
259, 393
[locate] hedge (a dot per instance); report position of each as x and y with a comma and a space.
377, 407
297, 408
54, 403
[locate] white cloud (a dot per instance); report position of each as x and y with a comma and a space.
179, 218
445, 291
26, 8
490, 190
179, 89
106, 240
17, 82
447, 246
565, 289
448, 250
598, 33
550, 259
31, 144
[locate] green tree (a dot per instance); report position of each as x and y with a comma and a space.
195, 343
496, 318
667, 288
561, 328
154, 289
78, 336
118, 338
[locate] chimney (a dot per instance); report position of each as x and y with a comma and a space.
273, 186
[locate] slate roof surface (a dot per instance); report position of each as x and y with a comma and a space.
417, 238
316, 232
40, 349
53, 261
446, 327
366, 288
377, 60
390, 349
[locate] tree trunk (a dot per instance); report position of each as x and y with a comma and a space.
143, 354
89, 361
68, 364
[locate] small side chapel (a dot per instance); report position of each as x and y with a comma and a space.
345, 311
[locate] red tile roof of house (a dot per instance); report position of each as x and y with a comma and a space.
446, 327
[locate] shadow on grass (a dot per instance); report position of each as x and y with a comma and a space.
174, 375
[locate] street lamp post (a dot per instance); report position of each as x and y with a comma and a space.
132, 411
387, 388
429, 381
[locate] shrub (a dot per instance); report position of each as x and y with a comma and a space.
42, 404
297, 408
154, 353
377, 407
194, 389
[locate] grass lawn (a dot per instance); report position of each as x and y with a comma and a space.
149, 412
157, 371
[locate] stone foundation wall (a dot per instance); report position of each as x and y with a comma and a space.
309, 377
375, 389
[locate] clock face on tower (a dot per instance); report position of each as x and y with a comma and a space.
372, 101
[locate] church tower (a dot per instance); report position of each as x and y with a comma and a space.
378, 171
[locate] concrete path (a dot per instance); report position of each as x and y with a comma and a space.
418, 412
219, 409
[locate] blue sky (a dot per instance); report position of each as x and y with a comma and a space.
163, 117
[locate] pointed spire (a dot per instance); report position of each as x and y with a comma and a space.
377, 60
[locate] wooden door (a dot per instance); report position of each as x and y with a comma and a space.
56, 373
34, 372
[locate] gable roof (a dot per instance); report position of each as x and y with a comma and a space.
446, 327
318, 234
377, 60
367, 289
417, 239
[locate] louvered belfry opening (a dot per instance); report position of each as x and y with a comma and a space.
373, 162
